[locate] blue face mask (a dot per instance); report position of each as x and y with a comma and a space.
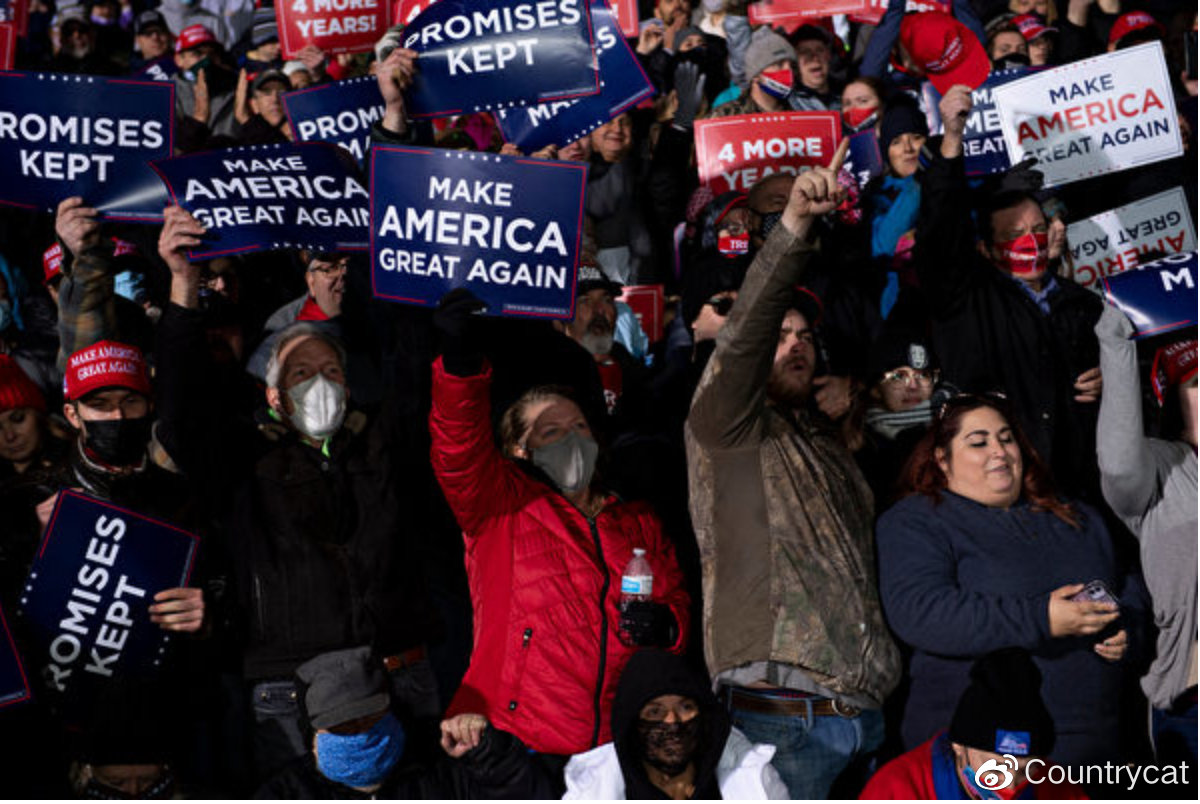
968, 778
361, 760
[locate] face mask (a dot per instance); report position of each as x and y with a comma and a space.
733, 245
320, 406
769, 221
361, 760
569, 462
164, 788
118, 442
1010, 60
6, 316
669, 747
714, 6
858, 115
596, 344
1026, 255
777, 83
1007, 794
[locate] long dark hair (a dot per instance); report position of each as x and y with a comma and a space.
922, 475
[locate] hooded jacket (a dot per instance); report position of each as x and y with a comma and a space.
727, 764
545, 582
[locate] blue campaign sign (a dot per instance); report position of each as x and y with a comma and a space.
477, 55
1159, 296
863, 160
91, 583
623, 85
64, 135
508, 228
14, 684
984, 151
341, 113
262, 197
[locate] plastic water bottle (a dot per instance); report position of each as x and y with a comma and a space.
637, 584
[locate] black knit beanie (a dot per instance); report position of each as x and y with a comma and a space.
1002, 709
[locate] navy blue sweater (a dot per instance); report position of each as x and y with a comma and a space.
959, 579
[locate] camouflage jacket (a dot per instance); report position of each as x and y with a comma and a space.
783, 516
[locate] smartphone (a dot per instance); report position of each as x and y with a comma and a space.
1095, 592
1189, 54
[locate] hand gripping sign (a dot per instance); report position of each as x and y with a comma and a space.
984, 151
335, 26
507, 228
732, 153
1092, 117
263, 197
341, 113
1117, 240
875, 9
623, 85
87, 597
65, 135
1159, 296
478, 55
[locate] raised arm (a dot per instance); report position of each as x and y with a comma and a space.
727, 407
86, 307
1127, 473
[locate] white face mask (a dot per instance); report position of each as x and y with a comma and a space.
319, 406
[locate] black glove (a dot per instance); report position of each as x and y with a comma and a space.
689, 88
1022, 177
454, 321
648, 625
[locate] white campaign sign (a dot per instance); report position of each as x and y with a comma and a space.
1092, 117
1114, 241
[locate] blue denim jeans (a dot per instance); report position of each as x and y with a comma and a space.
1175, 735
811, 752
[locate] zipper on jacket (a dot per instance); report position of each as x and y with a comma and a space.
603, 633
261, 625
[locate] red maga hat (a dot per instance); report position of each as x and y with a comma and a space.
945, 50
106, 364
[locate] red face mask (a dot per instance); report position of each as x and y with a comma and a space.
857, 115
1025, 256
777, 83
733, 245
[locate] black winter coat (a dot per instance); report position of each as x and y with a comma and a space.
990, 335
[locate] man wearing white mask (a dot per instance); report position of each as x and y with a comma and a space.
322, 504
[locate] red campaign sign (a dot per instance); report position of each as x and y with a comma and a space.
648, 303
875, 9
791, 14
405, 11
626, 12
335, 26
8, 45
733, 153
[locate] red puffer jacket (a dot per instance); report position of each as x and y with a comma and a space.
545, 582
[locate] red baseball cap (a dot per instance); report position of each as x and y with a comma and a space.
1133, 21
52, 259
194, 36
106, 364
1031, 26
1173, 365
945, 49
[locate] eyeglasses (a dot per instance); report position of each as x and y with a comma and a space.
906, 376
330, 268
722, 305
972, 400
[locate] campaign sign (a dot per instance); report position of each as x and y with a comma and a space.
8, 45
732, 153
648, 303
508, 228
263, 197
163, 69
1159, 296
1115, 241
16, 12
875, 9
623, 85
14, 684
405, 11
64, 135
791, 14
341, 113
1092, 117
335, 26
863, 159
477, 55
626, 12
86, 598
984, 151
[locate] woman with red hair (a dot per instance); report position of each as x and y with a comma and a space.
981, 555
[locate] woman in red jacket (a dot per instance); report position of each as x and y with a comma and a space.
545, 551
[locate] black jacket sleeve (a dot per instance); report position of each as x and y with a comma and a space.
945, 241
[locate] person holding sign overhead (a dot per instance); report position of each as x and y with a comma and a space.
794, 632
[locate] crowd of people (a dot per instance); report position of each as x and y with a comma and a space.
912, 500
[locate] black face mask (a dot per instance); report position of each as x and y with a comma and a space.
670, 747
1010, 60
118, 442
